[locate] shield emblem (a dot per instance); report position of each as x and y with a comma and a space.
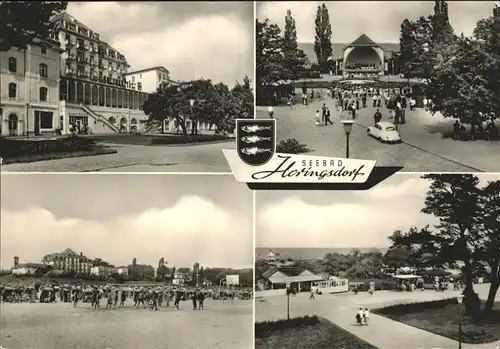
255, 140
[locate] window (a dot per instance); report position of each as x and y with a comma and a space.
140, 76
133, 78
139, 86
12, 65
43, 70
43, 49
46, 119
44, 93
12, 90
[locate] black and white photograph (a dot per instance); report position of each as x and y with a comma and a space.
405, 83
126, 261
412, 263
123, 86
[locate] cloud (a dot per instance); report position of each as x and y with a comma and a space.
215, 45
380, 20
192, 229
364, 219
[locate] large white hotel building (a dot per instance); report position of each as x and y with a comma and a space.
73, 78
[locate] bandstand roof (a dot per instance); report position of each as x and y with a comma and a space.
298, 278
363, 41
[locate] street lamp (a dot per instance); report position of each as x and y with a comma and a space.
347, 129
193, 126
460, 299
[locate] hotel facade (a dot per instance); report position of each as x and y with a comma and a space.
72, 80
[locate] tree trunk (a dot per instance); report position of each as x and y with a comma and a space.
182, 123
494, 285
471, 299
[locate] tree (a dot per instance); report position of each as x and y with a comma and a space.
397, 257
294, 58
465, 84
442, 29
195, 272
322, 41
406, 44
454, 200
490, 235
161, 270
202, 275
484, 29
25, 22
172, 273
269, 60
213, 104
244, 97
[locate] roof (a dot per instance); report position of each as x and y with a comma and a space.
338, 49
385, 123
363, 41
159, 67
298, 278
32, 265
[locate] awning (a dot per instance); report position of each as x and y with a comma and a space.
298, 278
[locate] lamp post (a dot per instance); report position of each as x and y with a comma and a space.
460, 299
288, 291
347, 129
193, 126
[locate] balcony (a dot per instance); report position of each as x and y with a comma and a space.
69, 72
69, 43
70, 58
82, 75
82, 47
82, 61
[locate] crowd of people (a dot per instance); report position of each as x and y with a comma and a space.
110, 296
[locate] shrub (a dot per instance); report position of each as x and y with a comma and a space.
264, 327
10, 148
291, 146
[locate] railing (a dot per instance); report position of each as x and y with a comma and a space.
96, 117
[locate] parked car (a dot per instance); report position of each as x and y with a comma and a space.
385, 132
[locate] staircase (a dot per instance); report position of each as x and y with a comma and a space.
97, 117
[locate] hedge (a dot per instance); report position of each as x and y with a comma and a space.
415, 307
181, 139
264, 327
10, 148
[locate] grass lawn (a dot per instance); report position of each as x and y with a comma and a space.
148, 140
58, 155
314, 333
442, 318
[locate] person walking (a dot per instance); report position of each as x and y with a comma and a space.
327, 117
359, 316
270, 111
366, 316
377, 116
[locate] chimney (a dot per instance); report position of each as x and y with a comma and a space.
81, 254
16, 262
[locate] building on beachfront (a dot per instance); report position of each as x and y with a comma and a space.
362, 55
123, 270
180, 278
68, 261
28, 269
294, 277
151, 78
103, 270
29, 89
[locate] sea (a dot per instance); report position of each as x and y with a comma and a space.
311, 253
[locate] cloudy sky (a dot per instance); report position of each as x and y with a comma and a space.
117, 217
200, 39
380, 20
362, 219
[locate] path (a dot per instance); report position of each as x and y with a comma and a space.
425, 149
382, 332
138, 158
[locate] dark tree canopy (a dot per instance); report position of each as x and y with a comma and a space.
294, 58
25, 22
322, 41
269, 62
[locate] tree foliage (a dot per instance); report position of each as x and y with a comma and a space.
322, 41
465, 85
213, 103
294, 58
25, 22
269, 58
